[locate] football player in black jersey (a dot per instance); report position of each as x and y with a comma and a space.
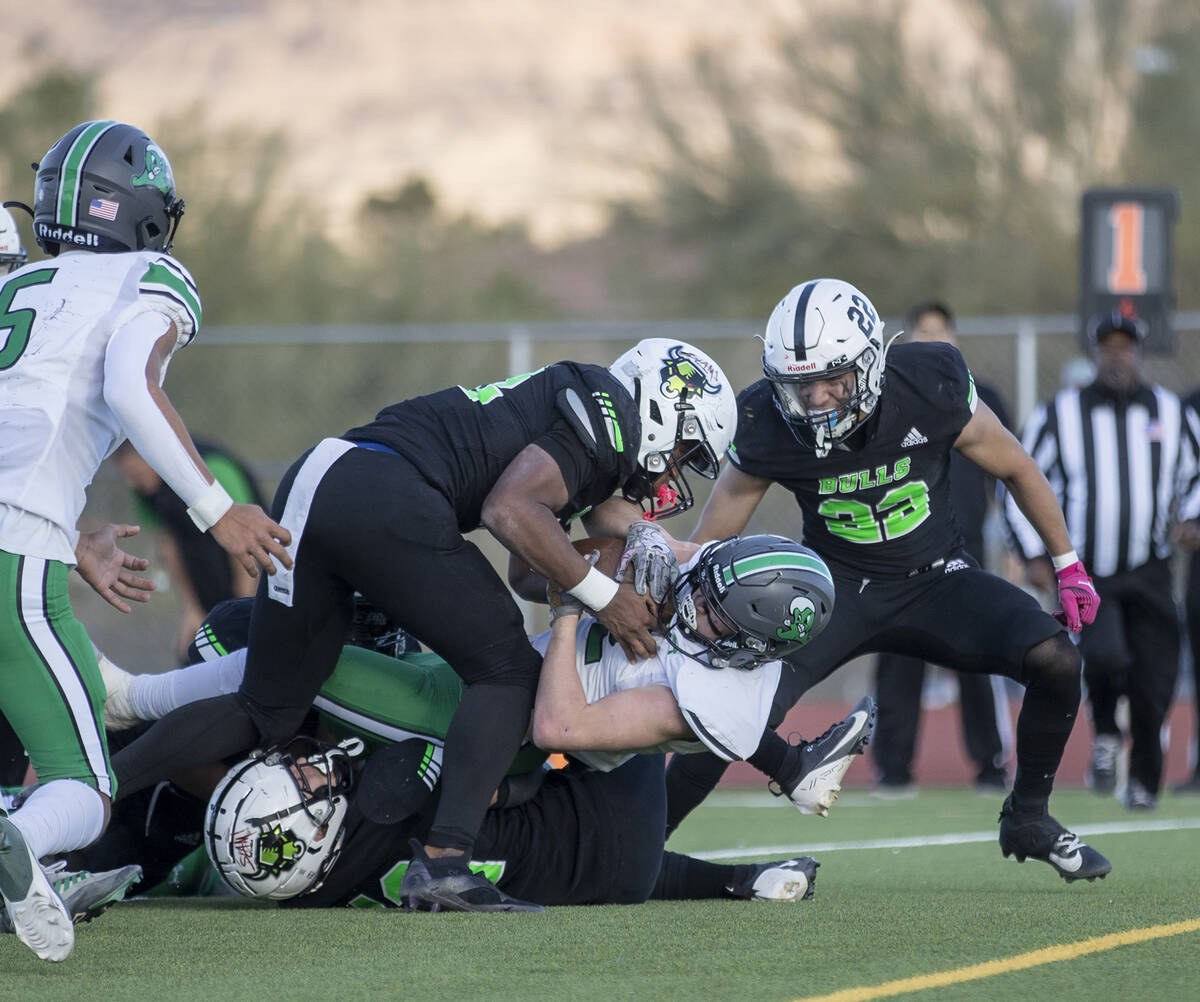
867, 458
383, 509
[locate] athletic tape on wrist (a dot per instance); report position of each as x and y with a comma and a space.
1065, 561
210, 507
595, 591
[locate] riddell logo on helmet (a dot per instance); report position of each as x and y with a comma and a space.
63, 235
802, 366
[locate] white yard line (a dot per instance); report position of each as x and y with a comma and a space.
921, 841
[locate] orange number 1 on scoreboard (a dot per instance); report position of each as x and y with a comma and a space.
1127, 276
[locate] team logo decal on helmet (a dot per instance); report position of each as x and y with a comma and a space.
688, 416
685, 375
157, 173
797, 628
271, 851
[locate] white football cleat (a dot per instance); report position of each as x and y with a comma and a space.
821, 764
39, 918
779, 880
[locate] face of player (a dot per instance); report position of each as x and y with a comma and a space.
824, 395
709, 625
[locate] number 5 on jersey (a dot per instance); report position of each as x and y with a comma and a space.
18, 323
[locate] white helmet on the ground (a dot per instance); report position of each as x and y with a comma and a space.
274, 824
682, 396
12, 251
823, 330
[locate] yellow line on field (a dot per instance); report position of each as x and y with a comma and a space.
1020, 962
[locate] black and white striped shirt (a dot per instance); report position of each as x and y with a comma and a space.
1124, 471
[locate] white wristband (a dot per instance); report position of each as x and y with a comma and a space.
595, 591
1066, 560
210, 507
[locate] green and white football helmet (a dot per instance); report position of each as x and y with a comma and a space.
108, 187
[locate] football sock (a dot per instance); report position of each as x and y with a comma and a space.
684, 878
154, 696
64, 814
484, 735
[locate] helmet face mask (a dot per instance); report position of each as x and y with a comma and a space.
108, 187
767, 596
688, 416
823, 333
271, 831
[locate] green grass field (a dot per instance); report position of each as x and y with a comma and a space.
906, 889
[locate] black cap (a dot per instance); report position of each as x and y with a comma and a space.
1108, 323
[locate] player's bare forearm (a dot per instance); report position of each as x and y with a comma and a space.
563, 720
992, 447
1035, 497
733, 500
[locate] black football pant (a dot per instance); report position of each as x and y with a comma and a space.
1192, 603
1132, 650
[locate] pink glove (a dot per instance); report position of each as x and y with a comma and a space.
1078, 597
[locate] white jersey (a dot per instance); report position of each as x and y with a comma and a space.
56, 319
727, 708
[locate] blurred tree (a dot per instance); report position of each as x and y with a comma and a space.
1165, 131
956, 176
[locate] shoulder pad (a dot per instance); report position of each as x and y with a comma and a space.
169, 288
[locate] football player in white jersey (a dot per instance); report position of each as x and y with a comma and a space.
85, 340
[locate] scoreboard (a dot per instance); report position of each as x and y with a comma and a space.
1125, 256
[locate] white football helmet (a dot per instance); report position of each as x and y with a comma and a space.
269, 831
12, 251
682, 396
821, 330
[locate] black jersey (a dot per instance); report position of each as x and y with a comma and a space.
879, 504
462, 439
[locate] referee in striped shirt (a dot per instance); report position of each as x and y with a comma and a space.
1121, 454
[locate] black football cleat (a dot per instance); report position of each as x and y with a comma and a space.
1041, 837
815, 768
448, 884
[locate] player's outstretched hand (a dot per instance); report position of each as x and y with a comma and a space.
629, 618
248, 534
655, 568
109, 569
1078, 597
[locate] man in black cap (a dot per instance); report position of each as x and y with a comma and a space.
1121, 454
